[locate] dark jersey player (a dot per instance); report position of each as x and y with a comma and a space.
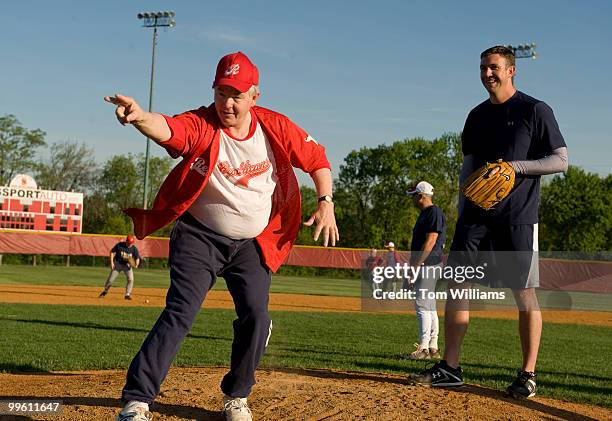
428, 237
522, 130
120, 256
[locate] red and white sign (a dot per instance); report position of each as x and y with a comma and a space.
32, 209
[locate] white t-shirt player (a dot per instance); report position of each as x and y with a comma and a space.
237, 200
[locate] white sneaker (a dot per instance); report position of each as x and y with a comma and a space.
136, 414
236, 409
419, 353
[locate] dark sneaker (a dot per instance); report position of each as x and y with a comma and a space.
103, 294
524, 386
440, 375
127, 297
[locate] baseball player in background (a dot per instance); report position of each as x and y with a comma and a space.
428, 237
236, 201
523, 131
391, 259
371, 263
124, 257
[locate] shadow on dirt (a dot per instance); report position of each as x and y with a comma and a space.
180, 411
466, 389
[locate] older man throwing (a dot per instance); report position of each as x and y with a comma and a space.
236, 201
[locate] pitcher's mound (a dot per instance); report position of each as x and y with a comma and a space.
285, 394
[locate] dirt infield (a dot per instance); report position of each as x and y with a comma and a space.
193, 394
155, 297
281, 394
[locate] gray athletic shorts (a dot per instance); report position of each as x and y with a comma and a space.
507, 254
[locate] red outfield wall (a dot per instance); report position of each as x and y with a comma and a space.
75, 244
569, 275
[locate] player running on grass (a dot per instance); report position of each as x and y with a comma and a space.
124, 257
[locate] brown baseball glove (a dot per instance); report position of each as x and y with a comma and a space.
132, 262
489, 184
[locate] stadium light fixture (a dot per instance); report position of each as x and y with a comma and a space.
524, 50
153, 20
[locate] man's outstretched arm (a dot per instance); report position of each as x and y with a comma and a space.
152, 125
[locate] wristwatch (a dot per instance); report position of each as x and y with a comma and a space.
326, 198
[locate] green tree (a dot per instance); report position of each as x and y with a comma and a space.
116, 189
70, 167
120, 186
119, 182
100, 217
576, 212
372, 205
18, 147
309, 205
354, 194
159, 167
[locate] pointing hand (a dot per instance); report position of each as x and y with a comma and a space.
128, 111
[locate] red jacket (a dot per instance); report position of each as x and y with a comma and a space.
195, 137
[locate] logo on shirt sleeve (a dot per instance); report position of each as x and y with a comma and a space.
310, 139
199, 165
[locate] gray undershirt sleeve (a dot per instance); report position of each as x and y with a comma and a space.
467, 168
553, 163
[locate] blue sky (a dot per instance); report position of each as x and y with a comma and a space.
353, 74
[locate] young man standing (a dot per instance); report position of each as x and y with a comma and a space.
236, 198
521, 130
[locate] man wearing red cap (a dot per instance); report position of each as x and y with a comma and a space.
236, 201
121, 255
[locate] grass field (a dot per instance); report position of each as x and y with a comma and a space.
47, 337
573, 363
157, 278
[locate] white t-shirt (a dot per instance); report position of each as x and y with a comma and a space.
237, 200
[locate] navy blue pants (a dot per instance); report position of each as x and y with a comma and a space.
197, 256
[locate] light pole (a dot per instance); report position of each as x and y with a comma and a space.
524, 50
153, 20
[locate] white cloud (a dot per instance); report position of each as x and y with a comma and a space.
227, 36
243, 41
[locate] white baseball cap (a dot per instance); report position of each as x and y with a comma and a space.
391, 244
422, 188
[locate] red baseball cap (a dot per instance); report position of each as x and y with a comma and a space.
130, 239
237, 71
